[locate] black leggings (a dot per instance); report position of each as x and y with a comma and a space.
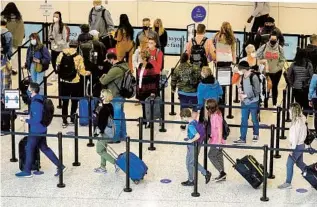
71, 90
54, 56
301, 97
275, 78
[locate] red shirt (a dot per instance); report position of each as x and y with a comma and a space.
156, 60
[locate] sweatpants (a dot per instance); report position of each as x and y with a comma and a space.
101, 148
216, 158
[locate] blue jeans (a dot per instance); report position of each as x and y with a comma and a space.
298, 156
37, 78
38, 142
187, 102
190, 160
245, 112
121, 127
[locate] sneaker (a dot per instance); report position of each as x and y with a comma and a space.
117, 169
255, 138
183, 127
58, 173
239, 141
100, 170
285, 186
222, 177
24, 175
207, 177
188, 183
65, 125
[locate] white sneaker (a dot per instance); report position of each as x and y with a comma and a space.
285, 186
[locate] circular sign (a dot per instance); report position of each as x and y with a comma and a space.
301, 190
166, 181
199, 14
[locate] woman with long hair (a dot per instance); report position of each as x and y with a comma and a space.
57, 35
297, 135
159, 29
124, 38
15, 25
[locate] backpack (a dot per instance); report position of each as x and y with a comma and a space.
110, 129
263, 85
67, 70
87, 50
201, 129
4, 46
225, 129
48, 111
198, 53
128, 84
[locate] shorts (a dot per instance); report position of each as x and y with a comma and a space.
188, 102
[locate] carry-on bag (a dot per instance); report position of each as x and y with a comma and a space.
309, 173
24, 85
249, 168
22, 156
83, 105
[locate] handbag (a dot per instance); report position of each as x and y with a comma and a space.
38, 67
311, 136
235, 78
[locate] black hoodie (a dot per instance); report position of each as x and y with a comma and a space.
311, 51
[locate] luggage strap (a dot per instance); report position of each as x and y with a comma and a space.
229, 158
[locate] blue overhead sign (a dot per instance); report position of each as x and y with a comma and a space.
199, 14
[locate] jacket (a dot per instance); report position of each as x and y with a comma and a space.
163, 41
16, 27
263, 36
156, 59
311, 51
312, 88
208, 88
274, 56
112, 80
40, 52
216, 123
185, 78
300, 76
59, 40
298, 132
96, 21
79, 63
142, 39
149, 82
36, 112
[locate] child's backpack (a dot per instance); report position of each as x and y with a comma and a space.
198, 53
128, 84
200, 128
48, 111
67, 70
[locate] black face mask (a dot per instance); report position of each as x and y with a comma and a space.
157, 29
145, 27
273, 42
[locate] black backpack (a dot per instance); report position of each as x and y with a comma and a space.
225, 129
198, 53
67, 70
48, 111
128, 84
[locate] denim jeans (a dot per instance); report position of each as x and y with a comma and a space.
190, 160
298, 156
37, 78
121, 128
245, 112
32, 144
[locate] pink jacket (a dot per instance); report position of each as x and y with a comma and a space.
216, 124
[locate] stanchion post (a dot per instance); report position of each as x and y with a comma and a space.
140, 138
162, 105
271, 176
278, 126
90, 143
61, 183
45, 85
127, 167
264, 198
288, 104
283, 116
172, 113
76, 162
13, 158
195, 193
230, 116
236, 100
205, 147
20, 71
152, 148
59, 92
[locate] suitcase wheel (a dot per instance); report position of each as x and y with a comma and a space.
136, 182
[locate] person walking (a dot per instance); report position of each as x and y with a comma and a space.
260, 13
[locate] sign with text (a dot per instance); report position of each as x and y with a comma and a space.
12, 99
199, 14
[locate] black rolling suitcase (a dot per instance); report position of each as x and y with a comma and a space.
22, 156
310, 174
249, 168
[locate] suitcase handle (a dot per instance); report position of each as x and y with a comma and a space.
229, 158
111, 151
85, 85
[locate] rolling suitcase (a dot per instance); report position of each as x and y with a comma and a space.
138, 168
310, 174
22, 156
249, 168
83, 105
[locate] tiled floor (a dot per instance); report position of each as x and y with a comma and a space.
85, 188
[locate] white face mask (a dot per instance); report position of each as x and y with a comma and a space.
98, 7
253, 54
33, 42
55, 19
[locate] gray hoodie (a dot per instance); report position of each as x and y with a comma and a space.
97, 22
274, 56
58, 40
253, 93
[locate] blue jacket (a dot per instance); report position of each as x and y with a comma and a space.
312, 88
36, 111
40, 52
208, 88
7, 48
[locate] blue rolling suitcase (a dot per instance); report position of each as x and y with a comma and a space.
83, 106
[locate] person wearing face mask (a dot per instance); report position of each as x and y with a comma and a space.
57, 35
156, 55
263, 35
273, 53
159, 29
249, 93
38, 60
143, 36
260, 14
100, 19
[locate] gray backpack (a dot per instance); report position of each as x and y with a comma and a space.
157, 107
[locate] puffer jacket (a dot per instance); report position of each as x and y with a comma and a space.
208, 88
299, 76
186, 78
36, 111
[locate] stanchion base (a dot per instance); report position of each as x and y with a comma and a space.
271, 177
283, 138
264, 199
195, 194
152, 148
90, 145
127, 190
236, 101
230, 117
13, 160
59, 107
61, 185
277, 156
163, 130
172, 114
38, 172
76, 164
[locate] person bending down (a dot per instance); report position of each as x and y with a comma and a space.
193, 136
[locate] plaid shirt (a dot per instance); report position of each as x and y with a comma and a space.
5, 77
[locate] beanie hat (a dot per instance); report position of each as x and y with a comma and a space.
244, 65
